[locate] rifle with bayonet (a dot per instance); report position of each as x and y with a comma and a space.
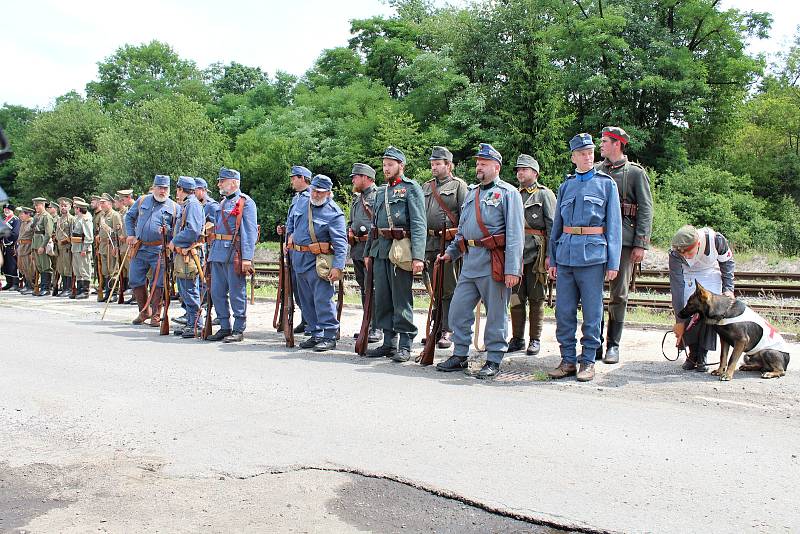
433, 324
363, 334
277, 317
287, 318
167, 281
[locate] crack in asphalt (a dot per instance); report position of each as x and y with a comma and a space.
533, 519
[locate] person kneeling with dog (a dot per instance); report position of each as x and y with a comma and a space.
698, 256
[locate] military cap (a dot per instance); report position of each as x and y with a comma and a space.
186, 183
75, 200
106, 197
229, 174
11, 207
581, 141
617, 133
199, 183
321, 183
95, 197
440, 152
524, 160
25, 209
161, 180
363, 168
125, 192
395, 154
685, 237
64, 199
80, 203
39, 200
299, 170
487, 151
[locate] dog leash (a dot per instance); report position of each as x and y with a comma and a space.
682, 350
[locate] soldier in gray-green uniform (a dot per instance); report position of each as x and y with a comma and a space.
42, 232
539, 204
444, 195
25, 263
63, 230
82, 237
399, 213
110, 230
358, 227
636, 202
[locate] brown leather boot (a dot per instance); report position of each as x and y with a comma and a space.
141, 298
155, 318
564, 369
586, 372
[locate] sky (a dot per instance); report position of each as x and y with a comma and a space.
50, 47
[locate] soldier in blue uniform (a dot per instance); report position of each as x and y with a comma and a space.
184, 245
399, 220
150, 215
585, 247
317, 239
300, 178
8, 245
491, 218
234, 242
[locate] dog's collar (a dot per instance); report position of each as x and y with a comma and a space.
716, 321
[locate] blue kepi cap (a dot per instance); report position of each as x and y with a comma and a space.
582, 140
299, 170
186, 183
199, 183
321, 183
228, 174
161, 180
487, 151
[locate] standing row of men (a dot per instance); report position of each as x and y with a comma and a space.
499, 244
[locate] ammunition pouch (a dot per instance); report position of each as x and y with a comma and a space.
629, 209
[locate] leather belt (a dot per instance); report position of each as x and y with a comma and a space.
584, 230
390, 233
222, 237
316, 248
151, 243
448, 233
63, 241
360, 238
534, 231
76, 239
25, 241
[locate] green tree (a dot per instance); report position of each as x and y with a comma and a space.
15, 121
233, 78
60, 156
167, 135
335, 67
136, 73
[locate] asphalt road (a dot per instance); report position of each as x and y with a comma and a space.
111, 427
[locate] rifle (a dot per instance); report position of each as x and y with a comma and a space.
207, 324
74, 288
120, 276
476, 339
287, 319
433, 325
632, 286
363, 334
278, 315
116, 280
100, 280
167, 297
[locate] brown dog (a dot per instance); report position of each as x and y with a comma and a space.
738, 326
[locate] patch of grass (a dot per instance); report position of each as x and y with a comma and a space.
540, 376
274, 246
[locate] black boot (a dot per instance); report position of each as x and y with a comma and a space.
44, 285
106, 292
700, 361
453, 363
82, 290
516, 344
9, 283
613, 335
221, 334
66, 287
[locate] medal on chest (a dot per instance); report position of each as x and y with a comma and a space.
492, 198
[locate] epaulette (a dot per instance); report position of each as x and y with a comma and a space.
601, 173
502, 184
472, 186
635, 164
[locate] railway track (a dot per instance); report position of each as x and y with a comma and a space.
650, 282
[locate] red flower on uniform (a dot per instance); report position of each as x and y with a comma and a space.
236, 210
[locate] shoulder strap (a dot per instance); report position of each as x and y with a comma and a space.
478, 217
311, 231
386, 206
365, 205
439, 200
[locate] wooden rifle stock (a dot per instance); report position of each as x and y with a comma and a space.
288, 302
363, 334
100, 280
167, 296
433, 326
277, 317
207, 323
55, 282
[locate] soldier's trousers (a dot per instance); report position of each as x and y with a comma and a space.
82, 266
10, 264
451, 270
531, 294
394, 302
190, 297
110, 263
27, 267
229, 295
143, 262
361, 279
584, 285
44, 264
316, 295
618, 287
495, 295
64, 261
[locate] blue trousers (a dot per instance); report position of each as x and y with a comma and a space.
584, 285
319, 310
140, 264
190, 295
227, 286
462, 315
